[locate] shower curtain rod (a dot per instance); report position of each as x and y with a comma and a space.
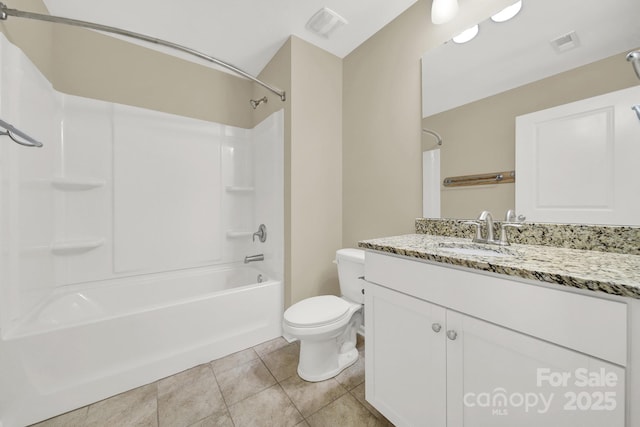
10, 131
5, 11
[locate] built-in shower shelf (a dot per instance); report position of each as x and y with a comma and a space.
237, 234
71, 247
76, 184
238, 189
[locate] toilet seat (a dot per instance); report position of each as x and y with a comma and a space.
317, 311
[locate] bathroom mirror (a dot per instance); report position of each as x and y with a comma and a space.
472, 92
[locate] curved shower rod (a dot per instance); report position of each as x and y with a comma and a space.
435, 134
5, 11
11, 131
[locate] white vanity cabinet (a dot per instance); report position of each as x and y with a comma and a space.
405, 359
450, 347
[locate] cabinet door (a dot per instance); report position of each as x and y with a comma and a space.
405, 366
578, 162
498, 377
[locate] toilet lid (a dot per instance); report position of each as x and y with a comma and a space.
316, 311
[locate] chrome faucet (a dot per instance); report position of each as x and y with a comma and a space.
510, 216
261, 233
253, 258
509, 221
485, 216
488, 220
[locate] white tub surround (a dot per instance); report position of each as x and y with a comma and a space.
122, 241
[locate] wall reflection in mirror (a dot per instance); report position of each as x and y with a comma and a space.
550, 54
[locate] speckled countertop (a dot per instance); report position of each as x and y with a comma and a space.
611, 273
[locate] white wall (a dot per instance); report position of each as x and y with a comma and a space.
268, 173
28, 102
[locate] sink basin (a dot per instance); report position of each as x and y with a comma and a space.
475, 249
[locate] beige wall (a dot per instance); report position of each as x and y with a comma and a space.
316, 170
312, 79
382, 141
382, 155
480, 136
86, 63
97, 66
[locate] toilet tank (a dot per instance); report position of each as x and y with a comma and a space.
350, 268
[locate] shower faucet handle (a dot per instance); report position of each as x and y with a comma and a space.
261, 233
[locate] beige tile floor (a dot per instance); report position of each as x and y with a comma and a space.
254, 387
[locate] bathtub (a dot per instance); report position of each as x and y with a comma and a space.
85, 344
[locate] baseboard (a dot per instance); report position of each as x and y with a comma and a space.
287, 337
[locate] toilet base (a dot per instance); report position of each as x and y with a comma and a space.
322, 359
344, 361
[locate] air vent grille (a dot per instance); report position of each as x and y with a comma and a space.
325, 21
565, 42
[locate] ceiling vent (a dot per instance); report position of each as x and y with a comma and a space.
324, 22
565, 42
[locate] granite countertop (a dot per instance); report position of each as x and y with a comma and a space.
611, 273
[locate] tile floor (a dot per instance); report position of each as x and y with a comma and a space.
254, 387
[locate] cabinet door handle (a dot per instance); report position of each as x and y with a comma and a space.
436, 327
452, 335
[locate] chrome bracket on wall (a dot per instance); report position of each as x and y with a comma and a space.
636, 108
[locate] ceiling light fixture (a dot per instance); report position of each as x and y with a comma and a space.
324, 22
443, 11
466, 35
508, 12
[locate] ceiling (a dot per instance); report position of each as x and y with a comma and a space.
244, 33
510, 54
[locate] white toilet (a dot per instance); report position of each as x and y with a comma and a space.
326, 325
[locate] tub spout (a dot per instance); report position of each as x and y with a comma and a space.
253, 258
